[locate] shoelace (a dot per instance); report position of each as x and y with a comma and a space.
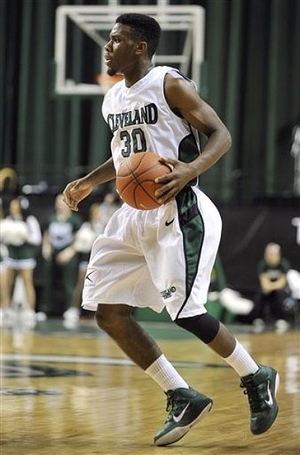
172, 405
254, 397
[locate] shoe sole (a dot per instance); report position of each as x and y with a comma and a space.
179, 432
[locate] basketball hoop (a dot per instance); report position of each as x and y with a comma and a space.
96, 21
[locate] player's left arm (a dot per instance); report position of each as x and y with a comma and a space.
79, 189
185, 100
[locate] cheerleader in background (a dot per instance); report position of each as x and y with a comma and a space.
84, 240
4, 300
21, 234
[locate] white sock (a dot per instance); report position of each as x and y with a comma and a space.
163, 372
241, 361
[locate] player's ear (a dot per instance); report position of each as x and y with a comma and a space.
141, 48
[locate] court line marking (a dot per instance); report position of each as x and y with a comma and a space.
96, 360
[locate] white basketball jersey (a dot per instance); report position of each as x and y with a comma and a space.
162, 257
141, 120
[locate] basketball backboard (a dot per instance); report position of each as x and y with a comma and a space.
95, 22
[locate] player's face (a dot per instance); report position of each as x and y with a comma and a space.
120, 51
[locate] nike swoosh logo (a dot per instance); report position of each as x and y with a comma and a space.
167, 223
180, 416
270, 400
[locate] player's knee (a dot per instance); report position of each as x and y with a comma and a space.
104, 318
111, 317
204, 326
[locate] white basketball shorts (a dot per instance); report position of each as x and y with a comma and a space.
156, 258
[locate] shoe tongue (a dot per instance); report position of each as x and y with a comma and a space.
253, 379
169, 393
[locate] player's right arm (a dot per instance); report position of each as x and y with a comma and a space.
79, 189
185, 102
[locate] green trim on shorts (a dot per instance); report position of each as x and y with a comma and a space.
192, 228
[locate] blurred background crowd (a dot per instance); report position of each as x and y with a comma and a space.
250, 73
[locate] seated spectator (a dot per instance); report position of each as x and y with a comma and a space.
273, 289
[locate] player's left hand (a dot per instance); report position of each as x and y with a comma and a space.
181, 174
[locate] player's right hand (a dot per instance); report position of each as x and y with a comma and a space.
75, 192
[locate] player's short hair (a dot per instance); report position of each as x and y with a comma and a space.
144, 28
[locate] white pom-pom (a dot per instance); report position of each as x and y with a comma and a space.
234, 302
84, 240
13, 232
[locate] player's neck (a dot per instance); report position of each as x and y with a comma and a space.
138, 73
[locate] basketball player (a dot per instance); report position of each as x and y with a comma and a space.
163, 257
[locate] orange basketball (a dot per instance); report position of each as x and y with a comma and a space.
135, 179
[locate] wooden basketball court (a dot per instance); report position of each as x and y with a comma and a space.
73, 392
